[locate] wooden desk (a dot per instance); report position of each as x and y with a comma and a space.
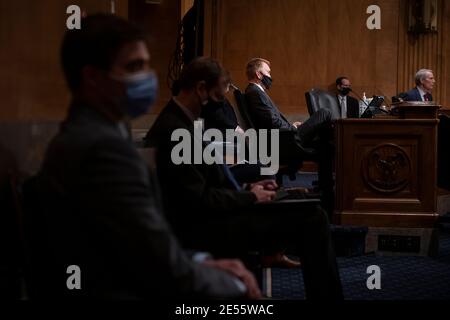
386, 172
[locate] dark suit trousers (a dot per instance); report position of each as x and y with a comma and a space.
317, 126
249, 173
317, 133
273, 225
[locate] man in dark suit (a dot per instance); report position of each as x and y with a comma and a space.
316, 132
349, 105
93, 203
266, 115
210, 211
424, 86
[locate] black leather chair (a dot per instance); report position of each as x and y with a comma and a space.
444, 152
317, 99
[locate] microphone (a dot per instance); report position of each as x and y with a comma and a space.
358, 96
233, 86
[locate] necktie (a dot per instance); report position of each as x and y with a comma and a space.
343, 108
229, 175
427, 97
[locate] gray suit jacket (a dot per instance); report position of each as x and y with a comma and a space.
93, 205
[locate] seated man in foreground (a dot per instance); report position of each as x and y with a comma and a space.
98, 209
210, 211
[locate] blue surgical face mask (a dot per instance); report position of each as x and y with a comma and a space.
141, 91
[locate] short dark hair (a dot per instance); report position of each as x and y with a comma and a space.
97, 43
201, 69
339, 80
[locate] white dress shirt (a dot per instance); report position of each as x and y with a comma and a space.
422, 93
259, 86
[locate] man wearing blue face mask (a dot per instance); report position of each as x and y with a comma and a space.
94, 205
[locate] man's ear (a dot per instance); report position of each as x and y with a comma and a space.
259, 75
200, 87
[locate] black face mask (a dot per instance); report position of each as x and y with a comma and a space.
213, 104
345, 91
267, 81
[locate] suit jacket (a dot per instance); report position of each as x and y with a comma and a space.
413, 95
190, 191
219, 115
99, 210
352, 107
263, 111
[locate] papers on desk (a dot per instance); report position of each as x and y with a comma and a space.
363, 106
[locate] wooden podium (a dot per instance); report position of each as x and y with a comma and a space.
386, 168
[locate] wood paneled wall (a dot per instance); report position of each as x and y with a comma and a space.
161, 22
431, 51
32, 86
312, 42
185, 6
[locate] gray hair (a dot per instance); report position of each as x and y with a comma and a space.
421, 75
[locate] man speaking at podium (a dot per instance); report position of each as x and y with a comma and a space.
424, 86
